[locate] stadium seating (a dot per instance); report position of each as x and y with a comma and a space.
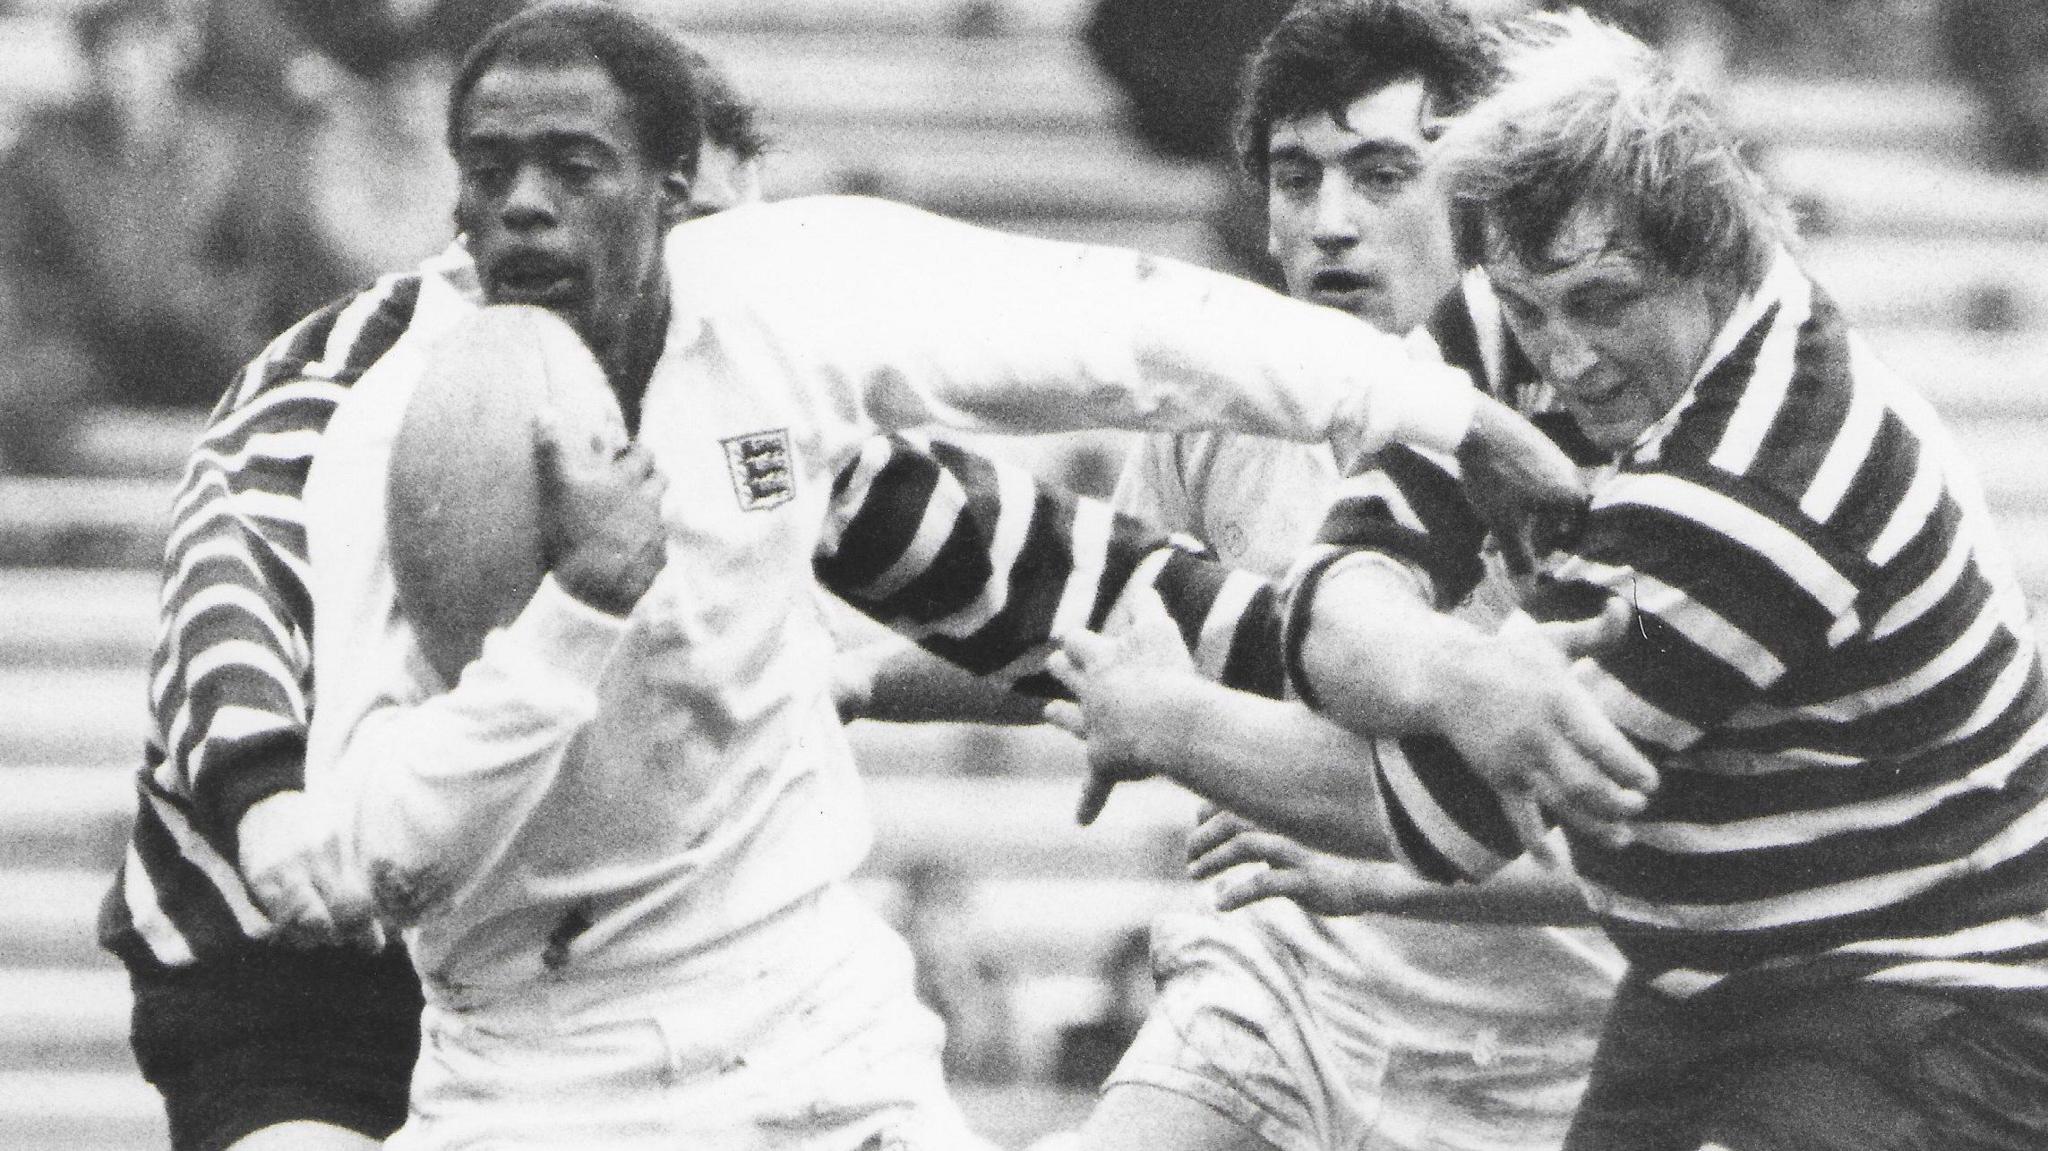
986, 109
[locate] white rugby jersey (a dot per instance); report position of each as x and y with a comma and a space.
713, 785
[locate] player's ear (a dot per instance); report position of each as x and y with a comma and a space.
675, 197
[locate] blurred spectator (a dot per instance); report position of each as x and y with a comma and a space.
957, 978
1999, 48
132, 246
376, 77
1089, 1051
1179, 61
1177, 64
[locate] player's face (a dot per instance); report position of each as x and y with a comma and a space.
1354, 219
1619, 337
561, 207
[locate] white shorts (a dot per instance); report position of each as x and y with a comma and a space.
805, 1035
1237, 1027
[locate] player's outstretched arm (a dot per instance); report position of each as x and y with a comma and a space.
895, 681
1143, 709
432, 792
977, 329
1376, 659
1530, 890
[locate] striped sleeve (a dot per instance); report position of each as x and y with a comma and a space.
945, 546
1726, 598
1409, 505
984, 566
231, 676
233, 664
1448, 824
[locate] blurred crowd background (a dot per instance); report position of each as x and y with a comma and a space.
180, 179
183, 178
191, 177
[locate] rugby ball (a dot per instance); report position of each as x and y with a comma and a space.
463, 491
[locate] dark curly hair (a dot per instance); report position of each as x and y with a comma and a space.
648, 63
1326, 53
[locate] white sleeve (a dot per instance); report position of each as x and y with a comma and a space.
926, 320
1071, 337
433, 792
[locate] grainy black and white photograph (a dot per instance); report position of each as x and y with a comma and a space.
1023, 575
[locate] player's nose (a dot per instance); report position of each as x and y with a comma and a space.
1567, 361
1332, 223
529, 200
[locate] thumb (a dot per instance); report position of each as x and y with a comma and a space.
1083, 649
1094, 797
1150, 622
549, 465
1587, 637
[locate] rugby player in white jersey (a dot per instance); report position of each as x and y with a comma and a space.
619, 843
277, 1033
1832, 906
1433, 1018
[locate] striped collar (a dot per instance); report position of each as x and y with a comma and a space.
1783, 284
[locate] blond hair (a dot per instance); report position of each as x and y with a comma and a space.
1588, 118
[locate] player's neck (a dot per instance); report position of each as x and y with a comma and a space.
630, 362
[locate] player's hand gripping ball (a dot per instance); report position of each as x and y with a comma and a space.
513, 460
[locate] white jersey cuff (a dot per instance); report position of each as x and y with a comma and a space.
569, 637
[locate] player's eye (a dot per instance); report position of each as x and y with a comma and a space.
488, 175
1383, 179
1295, 181
577, 169
1606, 306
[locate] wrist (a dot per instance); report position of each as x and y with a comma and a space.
1168, 722
1434, 407
593, 586
1450, 685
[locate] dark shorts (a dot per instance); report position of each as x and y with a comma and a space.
1859, 1067
277, 1035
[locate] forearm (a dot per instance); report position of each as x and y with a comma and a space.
895, 681
1527, 891
429, 795
1273, 762
1045, 336
1234, 355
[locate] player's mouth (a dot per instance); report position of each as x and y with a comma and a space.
1604, 410
1598, 396
1344, 288
543, 281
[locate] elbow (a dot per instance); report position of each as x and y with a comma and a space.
402, 895
404, 867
